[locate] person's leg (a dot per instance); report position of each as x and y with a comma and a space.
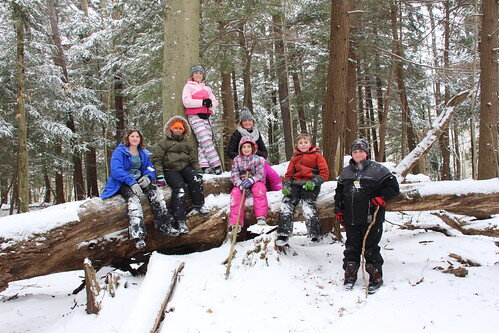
374, 260
289, 202
198, 127
236, 214
175, 180
351, 260
260, 202
163, 221
309, 199
194, 185
273, 180
136, 227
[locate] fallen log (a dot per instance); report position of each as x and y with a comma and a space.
59, 238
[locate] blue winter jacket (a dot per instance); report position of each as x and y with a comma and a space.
121, 162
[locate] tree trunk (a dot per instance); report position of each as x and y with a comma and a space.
383, 104
299, 103
372, 121
22, 160
59, 179
181, 51
48, 187
351, 119
487, 144
91, 172
408, 133
99, 232
282, 76
234, 93
119, 107
246, 57
334, 115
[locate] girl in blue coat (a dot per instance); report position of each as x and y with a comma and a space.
132, 174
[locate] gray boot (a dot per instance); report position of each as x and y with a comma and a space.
182, 227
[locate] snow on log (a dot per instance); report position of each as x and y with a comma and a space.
59, 238
154, 294
436, 130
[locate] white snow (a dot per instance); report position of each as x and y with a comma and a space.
267, 291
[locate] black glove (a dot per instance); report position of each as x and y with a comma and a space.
203, 115
207, 102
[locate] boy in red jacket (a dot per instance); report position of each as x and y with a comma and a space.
306, 172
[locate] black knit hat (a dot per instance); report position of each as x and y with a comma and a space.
245, 114
360, 144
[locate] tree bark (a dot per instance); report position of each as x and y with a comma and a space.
334, 115
181, 52
91, 172
299, 103
234, 93
246, 58
100, 231
59, 178
22, 160
48, 187
283, 84
487, 143
351, 119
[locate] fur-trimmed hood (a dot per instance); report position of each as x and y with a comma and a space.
173, 119
249, 139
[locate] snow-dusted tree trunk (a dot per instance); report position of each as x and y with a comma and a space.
431, 137
181, 51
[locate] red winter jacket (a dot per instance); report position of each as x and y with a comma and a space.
305, 166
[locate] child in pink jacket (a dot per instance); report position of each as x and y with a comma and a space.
199, 103
247, 162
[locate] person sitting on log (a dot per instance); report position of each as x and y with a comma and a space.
364, 187
248, 174
132, 174
247, 128
176, 163
200, 102
306, 172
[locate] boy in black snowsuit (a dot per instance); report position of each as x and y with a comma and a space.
362, 186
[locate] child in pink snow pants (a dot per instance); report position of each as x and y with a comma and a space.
199, 103
247, 163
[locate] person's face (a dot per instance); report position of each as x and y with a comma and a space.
134, 139
177, 130
247, 124
246, 149
303, 145
197, 76
359, 155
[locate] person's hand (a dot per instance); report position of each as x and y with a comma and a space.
144, 181
137, 190
339, 219
207, 102
309, 186
378, 201
286, 190
247, 183
160, 180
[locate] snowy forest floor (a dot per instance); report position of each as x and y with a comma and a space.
300, 291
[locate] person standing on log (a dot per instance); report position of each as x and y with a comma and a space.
248, 173
247, 128
200, 102
132, 174
306, 172
176, 163
363, 186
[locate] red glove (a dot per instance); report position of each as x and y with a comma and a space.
339, 219
378, 201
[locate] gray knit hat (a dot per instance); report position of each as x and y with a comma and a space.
245, 114
361, 144
198, 68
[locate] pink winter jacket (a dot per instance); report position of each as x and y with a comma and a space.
193, 95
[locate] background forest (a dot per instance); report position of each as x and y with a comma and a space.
75, 73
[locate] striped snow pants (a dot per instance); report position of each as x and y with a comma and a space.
207, 154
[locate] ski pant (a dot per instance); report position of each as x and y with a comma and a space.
289, 202
353, 245
260, 203
136, 228
207, 154
181, 182
273, 180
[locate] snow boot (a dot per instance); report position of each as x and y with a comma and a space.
140, 243
165, 225
282, 241
201, 210
208, 170
217, 170
375, 278
182, 228
351, 269
261, 221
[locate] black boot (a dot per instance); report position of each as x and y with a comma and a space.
351, 269
165, 225
375, 278
182, 228
217, 170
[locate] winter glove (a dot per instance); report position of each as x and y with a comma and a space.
137, 190
207, 102
339, 219
286, 190
247, 183
309, 186
248, 193
144, 181
203, 115
378, 201
160, 180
